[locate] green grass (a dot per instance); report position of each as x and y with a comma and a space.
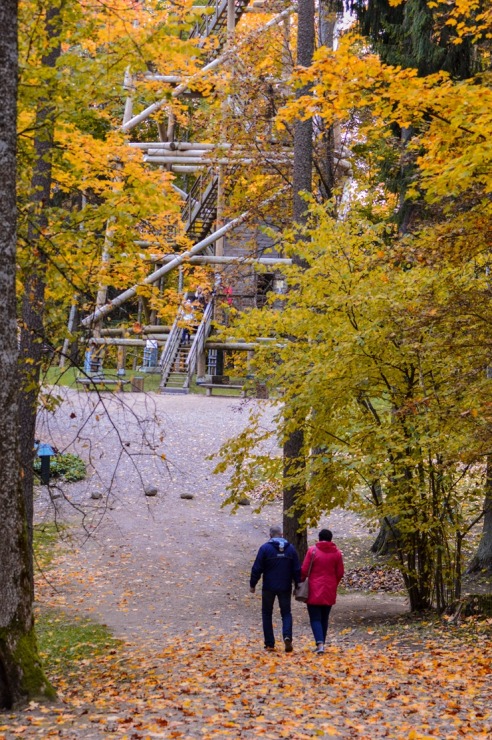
66, 466
46, 538
65, 639
67, 377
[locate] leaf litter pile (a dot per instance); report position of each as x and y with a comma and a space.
374, 578
229, 687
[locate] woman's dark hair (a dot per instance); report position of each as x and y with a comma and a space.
325, 535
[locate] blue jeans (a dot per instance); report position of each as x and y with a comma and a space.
319, 616
267, 602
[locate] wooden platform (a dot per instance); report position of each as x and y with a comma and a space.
210, 387
95, 384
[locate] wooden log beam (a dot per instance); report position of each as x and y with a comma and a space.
173, 159
241, 346
204, 71
121, 331
178, 260
187, 167
121, 342
180, 146
226, 260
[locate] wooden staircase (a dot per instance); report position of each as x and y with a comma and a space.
200, 210
216, 22
177, 379
179, 360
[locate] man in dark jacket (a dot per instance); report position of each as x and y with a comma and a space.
277, 561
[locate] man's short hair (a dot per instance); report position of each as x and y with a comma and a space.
275, 531
325, 535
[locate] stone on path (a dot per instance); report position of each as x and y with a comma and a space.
244, 501
188, 496
96, 495
150, 491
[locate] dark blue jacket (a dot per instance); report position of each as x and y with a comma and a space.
277, 561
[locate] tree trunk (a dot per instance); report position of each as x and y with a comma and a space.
293, 460
385, 542
326, 138
482, 560
303, 130
34, 278
21, 676
302, 182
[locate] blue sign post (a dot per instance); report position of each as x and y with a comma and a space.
45, 452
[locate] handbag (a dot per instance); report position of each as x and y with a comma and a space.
301, 592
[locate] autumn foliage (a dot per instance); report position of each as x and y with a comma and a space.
381, 343
103, 197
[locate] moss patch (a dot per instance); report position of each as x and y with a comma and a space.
34, 682
24, 677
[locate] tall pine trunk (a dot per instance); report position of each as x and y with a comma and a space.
325, 165
21, 677
302, 176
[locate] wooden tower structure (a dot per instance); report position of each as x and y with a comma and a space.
203, 171
207, 170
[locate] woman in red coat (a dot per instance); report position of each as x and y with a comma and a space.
324, 577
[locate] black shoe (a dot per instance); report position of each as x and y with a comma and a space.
288, 644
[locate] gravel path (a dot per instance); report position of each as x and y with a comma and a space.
151, 567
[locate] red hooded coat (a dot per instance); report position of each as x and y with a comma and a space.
326, 573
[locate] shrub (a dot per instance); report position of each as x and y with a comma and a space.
66, 466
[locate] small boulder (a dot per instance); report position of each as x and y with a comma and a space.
96, 495
187, 496
150, 491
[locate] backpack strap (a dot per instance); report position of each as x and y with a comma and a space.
312, 561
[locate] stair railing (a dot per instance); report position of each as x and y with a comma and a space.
217, 21
197, 198
171, 348
198, 345
207, 22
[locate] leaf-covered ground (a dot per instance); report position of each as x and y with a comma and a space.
233, 689
170, 577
